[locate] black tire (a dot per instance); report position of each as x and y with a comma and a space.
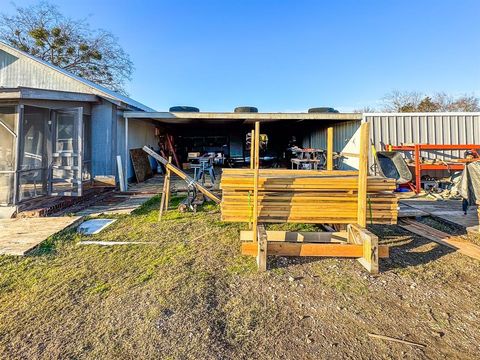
184, 109
246, 109
322, 110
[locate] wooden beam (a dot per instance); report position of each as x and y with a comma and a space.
252, 149
464, 247
299, 236
162, 201
181, 174
256, 162
261, 248
370, 248
330, 148
362, 176
167, 190
310, 249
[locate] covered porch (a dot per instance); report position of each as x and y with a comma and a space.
225, 134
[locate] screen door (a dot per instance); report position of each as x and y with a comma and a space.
66, 166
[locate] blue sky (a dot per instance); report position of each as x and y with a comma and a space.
289, 55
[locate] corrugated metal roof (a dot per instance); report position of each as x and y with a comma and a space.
95, 88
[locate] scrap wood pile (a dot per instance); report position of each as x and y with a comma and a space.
306, 196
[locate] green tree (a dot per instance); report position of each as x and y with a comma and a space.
41, 30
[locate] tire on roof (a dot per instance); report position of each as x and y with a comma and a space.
322, 110
184, 109
246, 109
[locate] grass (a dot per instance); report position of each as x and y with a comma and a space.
189, 294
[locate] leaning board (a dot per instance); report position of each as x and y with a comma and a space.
141, 165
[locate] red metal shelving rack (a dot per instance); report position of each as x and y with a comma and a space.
419, 167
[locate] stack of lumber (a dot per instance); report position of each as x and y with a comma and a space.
304, 196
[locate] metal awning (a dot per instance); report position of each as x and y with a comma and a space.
228, 117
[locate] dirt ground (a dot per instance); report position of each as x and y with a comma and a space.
189, 294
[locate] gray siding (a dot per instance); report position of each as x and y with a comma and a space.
22, 71
140, 133
342, 132
445, 128
405, 128
103, 139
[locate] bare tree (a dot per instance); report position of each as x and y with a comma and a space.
365, 109
41, 30
398, 101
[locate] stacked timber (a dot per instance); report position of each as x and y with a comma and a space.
304, 196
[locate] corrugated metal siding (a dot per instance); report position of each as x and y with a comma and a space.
445, 128
404, 128
342, 132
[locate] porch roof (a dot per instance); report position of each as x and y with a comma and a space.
247, 118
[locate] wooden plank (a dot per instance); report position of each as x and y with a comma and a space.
261, 248
362, 176
167, 189
282, 172
141, 165
298, 236
310, 249
369, 241
181, 174
330, 148
442, 238
162, 200
256, 162
252, 148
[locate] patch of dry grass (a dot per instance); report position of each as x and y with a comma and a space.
189, 294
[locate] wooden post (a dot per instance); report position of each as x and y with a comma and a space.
262, 248
330, 148
167, 179
256, 155
162, 200
252, 148
370, 254
362, 176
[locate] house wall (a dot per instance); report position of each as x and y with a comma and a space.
103, 139
21, 71
140, 133
342, 132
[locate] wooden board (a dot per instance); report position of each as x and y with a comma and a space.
181, 174
299, 236
141, 165
369, 242
440, 237
363, 176
310, 249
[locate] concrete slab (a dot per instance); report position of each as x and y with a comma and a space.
19, 236
130, 203
409, 211
447, 210
94, 226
